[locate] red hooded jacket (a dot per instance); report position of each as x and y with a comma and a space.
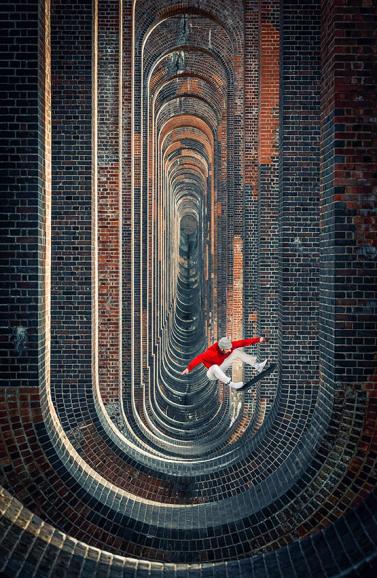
215, 356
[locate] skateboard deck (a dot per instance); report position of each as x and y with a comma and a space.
258, 377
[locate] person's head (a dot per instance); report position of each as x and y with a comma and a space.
225, 344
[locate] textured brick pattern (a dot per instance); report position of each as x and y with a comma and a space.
71, 272
125, 87
267, 234
348, 272
299, 209
213, 171
109, 201
21, 194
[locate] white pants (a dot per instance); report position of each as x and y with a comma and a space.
217, 371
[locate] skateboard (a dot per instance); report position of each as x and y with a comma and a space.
258, 377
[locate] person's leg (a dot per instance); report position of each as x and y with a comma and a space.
245, 357
210, 374
234, 356
215, 372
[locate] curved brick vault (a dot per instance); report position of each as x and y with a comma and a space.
177, 171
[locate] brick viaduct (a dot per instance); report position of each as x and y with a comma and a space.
176, 171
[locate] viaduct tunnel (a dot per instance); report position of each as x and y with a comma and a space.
175, 172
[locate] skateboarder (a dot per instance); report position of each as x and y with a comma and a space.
222, 354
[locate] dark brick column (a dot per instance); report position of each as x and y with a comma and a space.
126, 96
71, 282
21, 149
348, 185
109, 206
268, 198
251, 102
299, 202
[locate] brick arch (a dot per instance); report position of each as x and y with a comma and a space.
285, 485
208, 9
159, 75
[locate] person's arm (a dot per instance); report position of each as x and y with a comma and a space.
194, 362
245, 342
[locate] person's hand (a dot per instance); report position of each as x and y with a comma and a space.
185, 371
264, 340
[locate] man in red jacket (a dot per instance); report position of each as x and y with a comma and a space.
222, 354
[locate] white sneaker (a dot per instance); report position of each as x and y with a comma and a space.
260, 366
236, 384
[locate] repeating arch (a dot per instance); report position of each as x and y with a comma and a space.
191, 184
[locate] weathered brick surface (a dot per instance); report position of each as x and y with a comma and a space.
251, 124
109, 201
267, 233
299, 204
71, 268
22, 157
224, 175
348, 223
126, 179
